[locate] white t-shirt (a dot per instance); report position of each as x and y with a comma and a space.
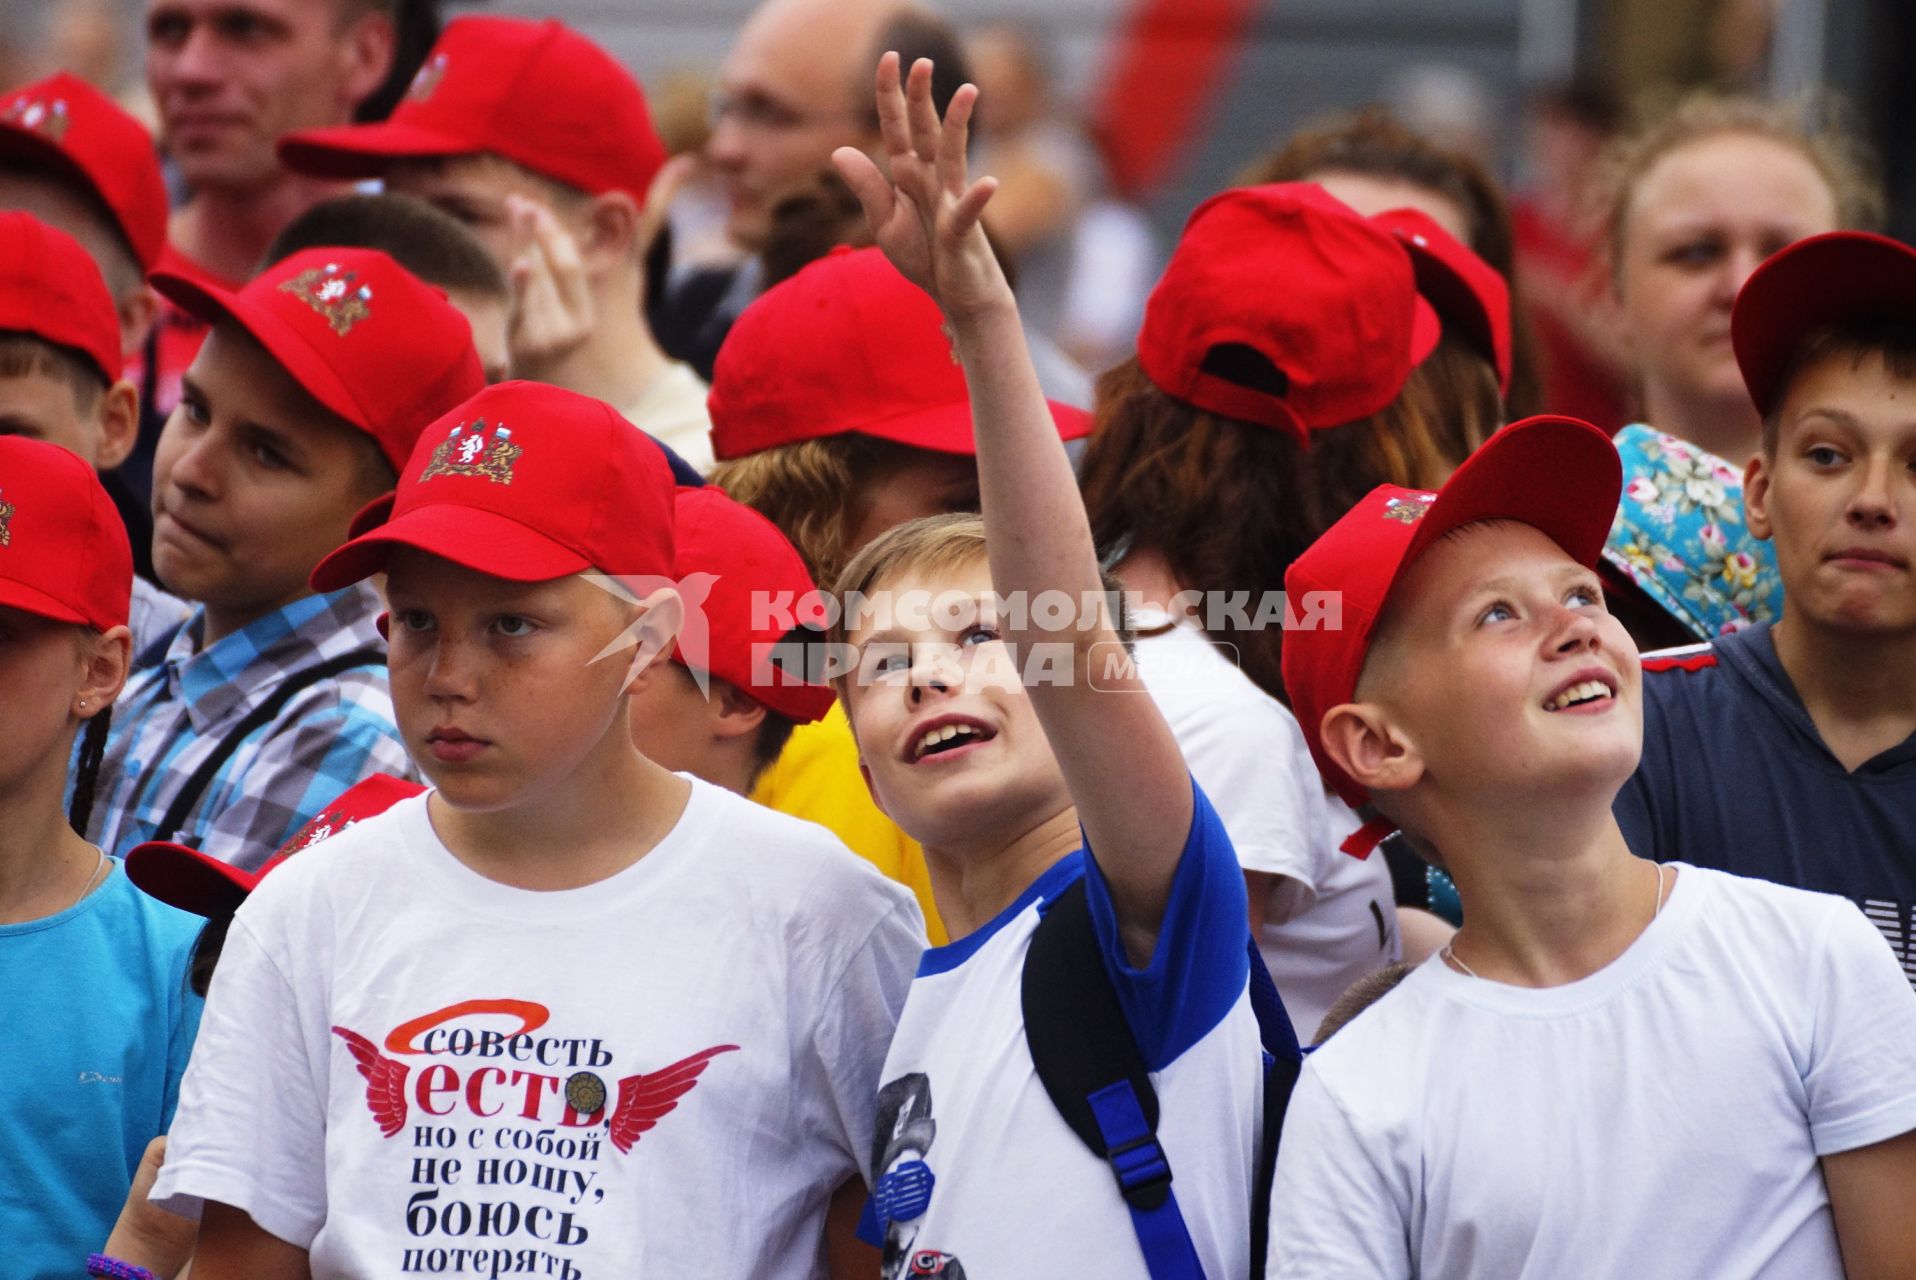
404, 1065
1245, 749
1661, 1117
1012, 1191
673, 410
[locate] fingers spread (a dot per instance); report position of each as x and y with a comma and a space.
922, 114
955, 137
890, 99
861, 174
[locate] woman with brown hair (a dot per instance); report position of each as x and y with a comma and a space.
1287, 365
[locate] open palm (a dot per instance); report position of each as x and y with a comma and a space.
926, 218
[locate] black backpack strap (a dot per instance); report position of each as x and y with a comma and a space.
1283, 1060
1089, 1063
258, 718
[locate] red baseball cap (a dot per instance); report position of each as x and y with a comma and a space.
1841, 275
67, 123
537, 93
1464, 289
51, 288
846, 346
747, 558
1558, 475
364, 337
526, 482
64, 553
1326, 297
193, 881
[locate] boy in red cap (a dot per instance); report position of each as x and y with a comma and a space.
584, 1000
98, 1018
60, 372
541, 143
1537, 1099
1065, 801
300, 408
723, 709
1788, 750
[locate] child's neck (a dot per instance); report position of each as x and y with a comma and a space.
610, 813
220, 621
45, 867
1859, 689
972, 886
1549, 897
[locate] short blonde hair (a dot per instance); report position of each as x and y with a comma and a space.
930, 545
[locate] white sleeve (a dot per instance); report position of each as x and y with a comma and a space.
1244, 758
1861, 1080
250, 1131
855, 1027
1335, 1210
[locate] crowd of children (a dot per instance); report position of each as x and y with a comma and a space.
473, 803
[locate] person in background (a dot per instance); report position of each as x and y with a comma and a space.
1687, 205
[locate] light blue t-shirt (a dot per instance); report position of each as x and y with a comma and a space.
95, 1024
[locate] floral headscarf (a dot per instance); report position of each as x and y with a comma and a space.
1679, 535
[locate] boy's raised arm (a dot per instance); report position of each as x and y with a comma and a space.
1118, 755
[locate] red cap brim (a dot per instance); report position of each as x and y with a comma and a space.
472, 537
18, 595
188, 879
1426, 330
313, 374
364, 150
947, 428
1842, 275
1560, 476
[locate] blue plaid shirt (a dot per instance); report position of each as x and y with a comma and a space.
173, 717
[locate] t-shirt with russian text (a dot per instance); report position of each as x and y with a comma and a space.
405, 1066
1662, 1117
983, 1178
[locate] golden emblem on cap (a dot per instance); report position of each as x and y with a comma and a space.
428, 78
460, 454
37, 115
330, 291
1409, 510
6, 523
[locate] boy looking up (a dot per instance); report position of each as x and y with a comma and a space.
1033, 798
1787, 751
1536, 1099
298, 410
542, 144
60, 372
585, 1001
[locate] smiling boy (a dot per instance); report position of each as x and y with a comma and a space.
569, 1012
298, 410
1788, 751
1069, 797
1616, 1067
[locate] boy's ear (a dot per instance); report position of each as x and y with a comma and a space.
1360, 739
1756, 495
611, 229
108, 659
654, 631
137, 312
736, 713
119, 424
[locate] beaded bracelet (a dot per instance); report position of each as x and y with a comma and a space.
98, 1264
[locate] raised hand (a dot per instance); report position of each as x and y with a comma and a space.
926, 218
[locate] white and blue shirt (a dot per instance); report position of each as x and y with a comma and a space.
1012, 1190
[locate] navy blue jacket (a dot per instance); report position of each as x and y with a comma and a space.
1735, 776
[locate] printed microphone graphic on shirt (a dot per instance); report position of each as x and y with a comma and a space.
520, 1119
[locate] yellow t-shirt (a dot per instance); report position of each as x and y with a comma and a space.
816, 778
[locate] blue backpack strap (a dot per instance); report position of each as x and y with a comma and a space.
1090, 1065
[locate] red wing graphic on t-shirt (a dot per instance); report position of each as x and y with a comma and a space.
385, 1081
647, 1098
